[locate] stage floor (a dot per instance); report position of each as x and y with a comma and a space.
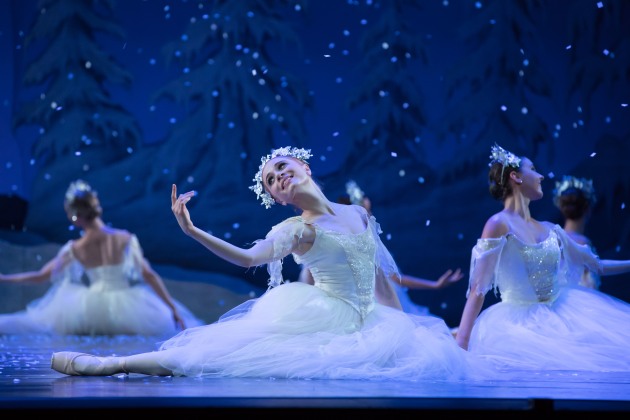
27, 383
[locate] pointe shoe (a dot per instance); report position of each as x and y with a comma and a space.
63, 362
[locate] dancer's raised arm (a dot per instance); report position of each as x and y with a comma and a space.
261, 252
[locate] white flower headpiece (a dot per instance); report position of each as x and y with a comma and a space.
77, 188
582, 184
505, 158
258, 188
355, 193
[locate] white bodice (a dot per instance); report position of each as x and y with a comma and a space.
529, 273
342, 264
107, 277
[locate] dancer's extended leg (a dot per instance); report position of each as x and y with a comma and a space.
146, 363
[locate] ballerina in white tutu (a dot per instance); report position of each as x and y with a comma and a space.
101, 284
545, 321
335, 329
575, 198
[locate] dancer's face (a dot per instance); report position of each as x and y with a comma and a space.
283, 175
531, 186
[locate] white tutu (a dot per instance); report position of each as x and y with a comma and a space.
333, 329
106, 300
581, 330
546, 321
299, 331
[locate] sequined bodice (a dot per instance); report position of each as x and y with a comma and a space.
344, 265
529, 272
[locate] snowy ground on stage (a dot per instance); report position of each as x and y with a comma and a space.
28, 383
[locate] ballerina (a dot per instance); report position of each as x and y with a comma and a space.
333, 330
544, 321
101, 283
575, 198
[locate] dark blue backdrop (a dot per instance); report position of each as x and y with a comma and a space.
405, 97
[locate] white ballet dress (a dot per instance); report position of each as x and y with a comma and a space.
333, 329
105, 300
545, 320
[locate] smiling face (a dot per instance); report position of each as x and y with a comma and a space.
281, 176
531, 185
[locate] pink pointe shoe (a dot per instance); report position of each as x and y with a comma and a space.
64, 362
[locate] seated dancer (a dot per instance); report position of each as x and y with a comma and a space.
545, 321
101, 283
335, 329
575, 198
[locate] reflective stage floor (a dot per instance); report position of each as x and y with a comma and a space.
27, 384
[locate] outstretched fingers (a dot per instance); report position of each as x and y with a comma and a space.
457, 275
178, 207
449, 277
178, 202
173, 194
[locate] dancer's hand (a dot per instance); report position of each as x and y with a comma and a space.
448, 278
179, 321
178, 206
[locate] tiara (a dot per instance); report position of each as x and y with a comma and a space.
582, 184
266, 198
502, 156
77, 188
355, 193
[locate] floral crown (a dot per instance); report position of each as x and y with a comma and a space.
499, 155
355, 193
582, 184
294, 152
76, 189
502, 156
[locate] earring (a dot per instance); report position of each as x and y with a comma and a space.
520, 181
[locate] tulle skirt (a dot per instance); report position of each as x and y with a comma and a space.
300, 331
74, 309
582, 330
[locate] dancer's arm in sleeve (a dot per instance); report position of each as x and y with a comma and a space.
483, 265
578, 256
43, 274
262, 252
